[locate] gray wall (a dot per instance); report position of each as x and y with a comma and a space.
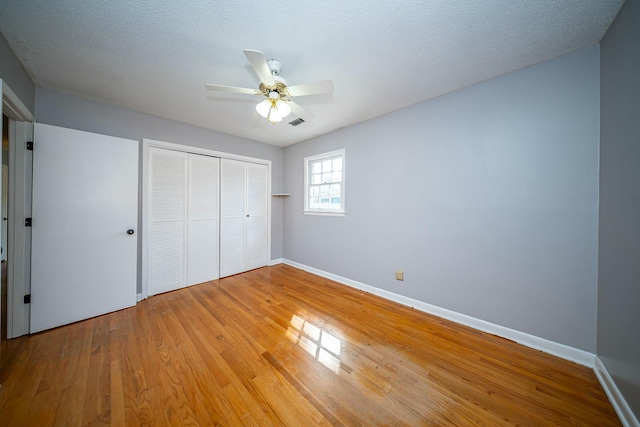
68, 111
619, 249
12, 72
487, 198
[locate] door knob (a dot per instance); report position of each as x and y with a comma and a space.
130, 231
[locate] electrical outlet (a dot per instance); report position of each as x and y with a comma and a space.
399, 275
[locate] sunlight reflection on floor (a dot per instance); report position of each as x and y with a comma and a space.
320, 344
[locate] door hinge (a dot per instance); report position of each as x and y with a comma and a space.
27, 222
27, 299
30, 145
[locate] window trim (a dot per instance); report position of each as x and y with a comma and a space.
324, 211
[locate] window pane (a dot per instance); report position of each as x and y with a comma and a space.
324, 181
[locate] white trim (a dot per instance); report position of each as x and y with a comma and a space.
562, 351
146, 225
138, 298
324, 213
620, 405
203, 151
276, 261
18, 246
15, 108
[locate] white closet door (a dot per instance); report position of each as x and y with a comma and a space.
232, 215
256, 216
243, 232
168, 207
203, 223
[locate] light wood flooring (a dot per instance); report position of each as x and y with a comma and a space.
279, 346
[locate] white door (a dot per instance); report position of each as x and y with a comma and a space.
243, 217
183, 216
85, 211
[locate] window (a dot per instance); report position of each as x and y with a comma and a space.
324, 184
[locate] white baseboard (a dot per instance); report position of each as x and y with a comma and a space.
562, 351
276, 261
138, 297
627, 418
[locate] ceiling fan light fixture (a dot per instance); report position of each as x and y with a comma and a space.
283, 108
279, 110
263, 108
274, 115
273, 108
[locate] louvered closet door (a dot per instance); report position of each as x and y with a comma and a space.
168, 210
232, 232
256, 216
203, 216
243, 229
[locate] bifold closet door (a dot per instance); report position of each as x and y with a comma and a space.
203, 219
243, 226
256, 216
168, 220
183, 246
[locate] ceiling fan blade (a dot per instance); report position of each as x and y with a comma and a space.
325, 86
259, 64
232, 89
300, 112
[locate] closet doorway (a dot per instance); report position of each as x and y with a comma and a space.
205, 215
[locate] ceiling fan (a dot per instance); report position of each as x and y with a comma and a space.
277, 103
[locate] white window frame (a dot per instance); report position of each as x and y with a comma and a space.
324, 211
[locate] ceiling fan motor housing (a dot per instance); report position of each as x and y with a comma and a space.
274, 66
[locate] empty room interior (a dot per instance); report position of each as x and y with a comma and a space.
339, 213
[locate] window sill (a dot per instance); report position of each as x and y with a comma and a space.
340, 214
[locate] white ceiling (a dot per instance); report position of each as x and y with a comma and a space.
155, 56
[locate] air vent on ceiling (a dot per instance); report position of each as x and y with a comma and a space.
296, 122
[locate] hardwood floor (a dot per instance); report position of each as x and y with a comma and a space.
279, 346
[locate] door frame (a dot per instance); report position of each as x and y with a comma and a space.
145, 225
19, 238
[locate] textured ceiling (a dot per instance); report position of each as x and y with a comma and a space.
382, 55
